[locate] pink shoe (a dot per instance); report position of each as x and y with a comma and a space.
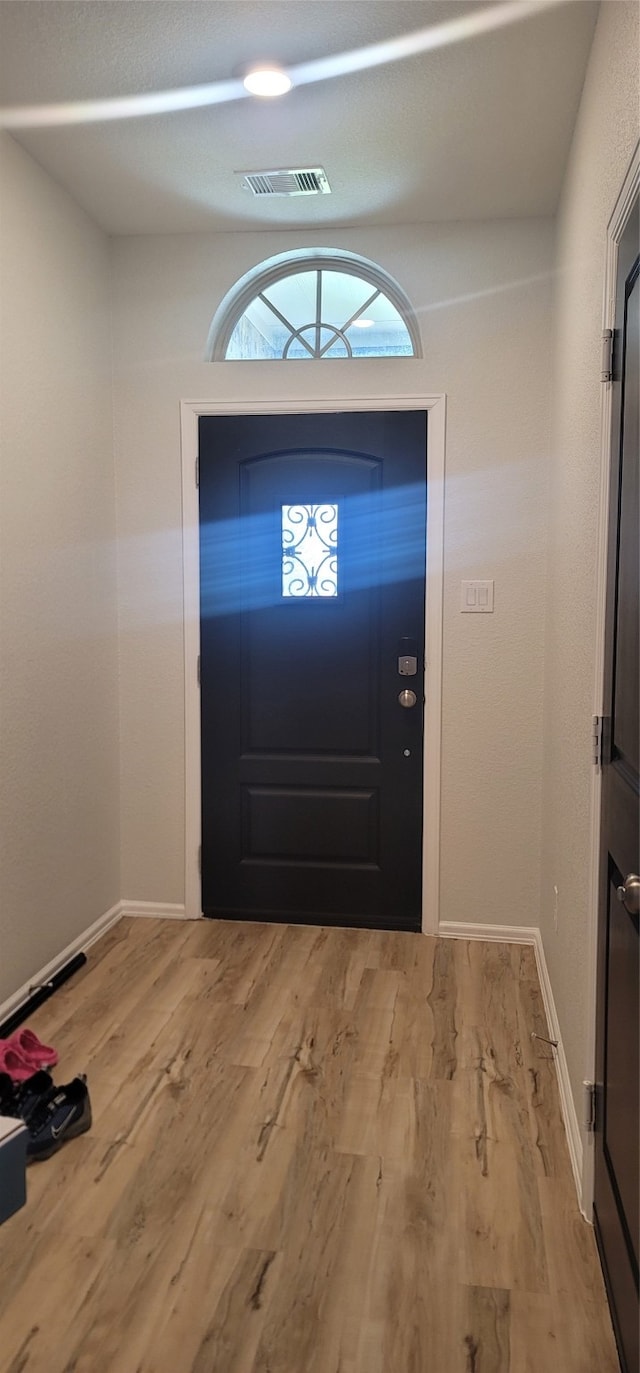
14, 1063
26, 1043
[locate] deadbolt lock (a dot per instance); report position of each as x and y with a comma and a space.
407, 656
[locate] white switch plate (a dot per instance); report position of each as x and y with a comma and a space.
477, 597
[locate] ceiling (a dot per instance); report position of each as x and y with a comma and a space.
477, 129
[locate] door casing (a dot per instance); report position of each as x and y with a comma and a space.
615, 229
190, 412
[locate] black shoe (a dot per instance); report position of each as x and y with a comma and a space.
28, 1094
7, 1095
19, 1099
57, 1118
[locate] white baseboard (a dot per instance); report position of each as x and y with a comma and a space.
502, 934
530, 934
569, 1115
78, 945
155, 910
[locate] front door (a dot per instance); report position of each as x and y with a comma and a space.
312, 587
616, 1161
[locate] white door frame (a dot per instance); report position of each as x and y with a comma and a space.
190, 411
615, 229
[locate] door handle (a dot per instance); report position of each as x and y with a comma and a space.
629, 893
407, 698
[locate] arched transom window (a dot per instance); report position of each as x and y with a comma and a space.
316, 304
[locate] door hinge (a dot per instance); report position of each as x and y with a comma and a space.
198, 470
597, 737
589, 1106
200, 860
198, 669
607, 355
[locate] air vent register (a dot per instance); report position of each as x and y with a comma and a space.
287, 181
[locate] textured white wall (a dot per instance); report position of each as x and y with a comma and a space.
483, 293
605, 135
59, 862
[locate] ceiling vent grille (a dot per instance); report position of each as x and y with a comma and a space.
287, 181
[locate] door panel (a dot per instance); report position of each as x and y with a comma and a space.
312, 535
616, 1213
283, 822
621, 1061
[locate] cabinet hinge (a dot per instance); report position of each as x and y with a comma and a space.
589, 1106
597, 736
607, 355
198, 669
198, 470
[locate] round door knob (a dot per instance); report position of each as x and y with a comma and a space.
629, 894
407, 698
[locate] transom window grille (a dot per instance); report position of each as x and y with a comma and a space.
309, 550
317, 305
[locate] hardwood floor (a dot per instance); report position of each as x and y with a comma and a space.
313, 1151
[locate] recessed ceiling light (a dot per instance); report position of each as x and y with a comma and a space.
363, 323
267, 81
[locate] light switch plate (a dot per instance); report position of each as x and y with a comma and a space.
477, 598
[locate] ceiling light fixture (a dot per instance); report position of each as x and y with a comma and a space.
363, 323
267, 82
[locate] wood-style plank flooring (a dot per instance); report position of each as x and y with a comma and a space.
313, 1151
